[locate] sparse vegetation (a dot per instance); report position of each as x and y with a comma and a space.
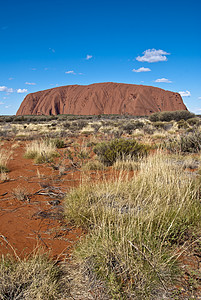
21, 194
40, 150
171, 115
139, 212
109, 152
4, 157
93, 165
135, 226
186, 143
35, 277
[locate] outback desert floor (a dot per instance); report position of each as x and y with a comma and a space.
36, 219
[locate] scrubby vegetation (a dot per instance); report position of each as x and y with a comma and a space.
186, 143
109, 152
135, 226
36, 277
41, 151
167, 116
135, 191
4, 157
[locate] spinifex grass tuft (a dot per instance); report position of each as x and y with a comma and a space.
35, 277
4, 157
135, 225
40, 151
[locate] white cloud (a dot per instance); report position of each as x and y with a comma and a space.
7, 106
33, 69
11, 78
30, 83
153, 55
88, 57
141, 70
5, 89
21, 91
165, 80
51, 49
199, 98
70, 72
1, 103
185, 94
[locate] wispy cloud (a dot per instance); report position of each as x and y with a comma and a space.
185, 94
70, 72
88, 57
141, 70
153, 55
11, 78
7, 106
33, 69
199, 98
52, 50
6, 89
30, 83
21, 91
164, 80
1, 103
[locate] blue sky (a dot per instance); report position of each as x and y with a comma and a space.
44, 44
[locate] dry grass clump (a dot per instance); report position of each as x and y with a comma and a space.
93, 165
4, 157
185, 143
35, 277
135, 226
126, 164
40, 151
21, 194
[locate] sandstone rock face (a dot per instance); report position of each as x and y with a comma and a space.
101, 98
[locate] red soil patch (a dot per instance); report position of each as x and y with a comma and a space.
36, 221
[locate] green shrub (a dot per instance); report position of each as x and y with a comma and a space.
109, 152
171, 115
193, 121
58, 143
162, 125
190, 143
129, 127
182, 124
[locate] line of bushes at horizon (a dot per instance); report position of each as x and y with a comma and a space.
158, 116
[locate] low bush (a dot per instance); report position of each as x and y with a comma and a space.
186, 143
193, 121
58, 143
109, 152
182, 124
129, 127
171, 115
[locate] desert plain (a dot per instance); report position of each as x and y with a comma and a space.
100, 207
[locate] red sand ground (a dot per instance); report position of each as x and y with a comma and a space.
33, 222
